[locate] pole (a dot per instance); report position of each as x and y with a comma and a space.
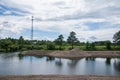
32, 29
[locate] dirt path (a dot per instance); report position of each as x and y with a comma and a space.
76, 54
59, 77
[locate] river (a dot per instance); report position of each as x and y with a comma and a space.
11, 64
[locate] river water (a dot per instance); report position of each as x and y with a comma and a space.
11, 64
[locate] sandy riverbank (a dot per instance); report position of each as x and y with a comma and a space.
72, 54
59, 77
75, 54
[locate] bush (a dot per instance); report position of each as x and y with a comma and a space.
70, 48
61, 48
50, 46
108, 45
28, 47
41, 47
116, 47
92, 46
13, 48
87, 45
101, 48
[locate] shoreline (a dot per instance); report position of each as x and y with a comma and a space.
59, 77
75, 54
72, 54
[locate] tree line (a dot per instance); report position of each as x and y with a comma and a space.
11, 44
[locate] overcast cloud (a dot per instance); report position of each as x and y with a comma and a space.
90, 19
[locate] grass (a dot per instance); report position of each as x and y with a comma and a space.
97, 48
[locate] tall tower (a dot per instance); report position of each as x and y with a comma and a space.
32, 28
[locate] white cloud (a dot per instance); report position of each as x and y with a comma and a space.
63, 16
7, 12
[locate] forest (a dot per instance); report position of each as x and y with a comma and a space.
13, 45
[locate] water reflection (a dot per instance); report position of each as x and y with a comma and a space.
117, 65
72, 63
90, 58
58, 62
12, 64
20, 57
39, 56
7, 55
108, 61
49, 58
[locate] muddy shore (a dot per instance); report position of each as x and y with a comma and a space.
75, 54
60, 77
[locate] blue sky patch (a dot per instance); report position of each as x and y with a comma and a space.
96, 25
14, 11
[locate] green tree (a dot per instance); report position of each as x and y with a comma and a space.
108, 45
5, 44
21, 42
92, 46
59, 41
50, 46
72, 39
116, 38
87, 45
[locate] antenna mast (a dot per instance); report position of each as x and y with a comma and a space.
32, 28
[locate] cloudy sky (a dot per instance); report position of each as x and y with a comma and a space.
92, 20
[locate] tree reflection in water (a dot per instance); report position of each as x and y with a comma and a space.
59, 62
20, 57
117, 65
73, 63
50, 58
90, 58
108, 61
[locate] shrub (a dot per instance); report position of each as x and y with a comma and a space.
108, 45
51, 46
13, 48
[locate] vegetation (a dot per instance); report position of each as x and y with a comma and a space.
59, 41
20, 42
51, 46
116, 38
108, 45
10, 44
72, 39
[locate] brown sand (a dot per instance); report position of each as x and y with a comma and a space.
76, 54
59, 77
